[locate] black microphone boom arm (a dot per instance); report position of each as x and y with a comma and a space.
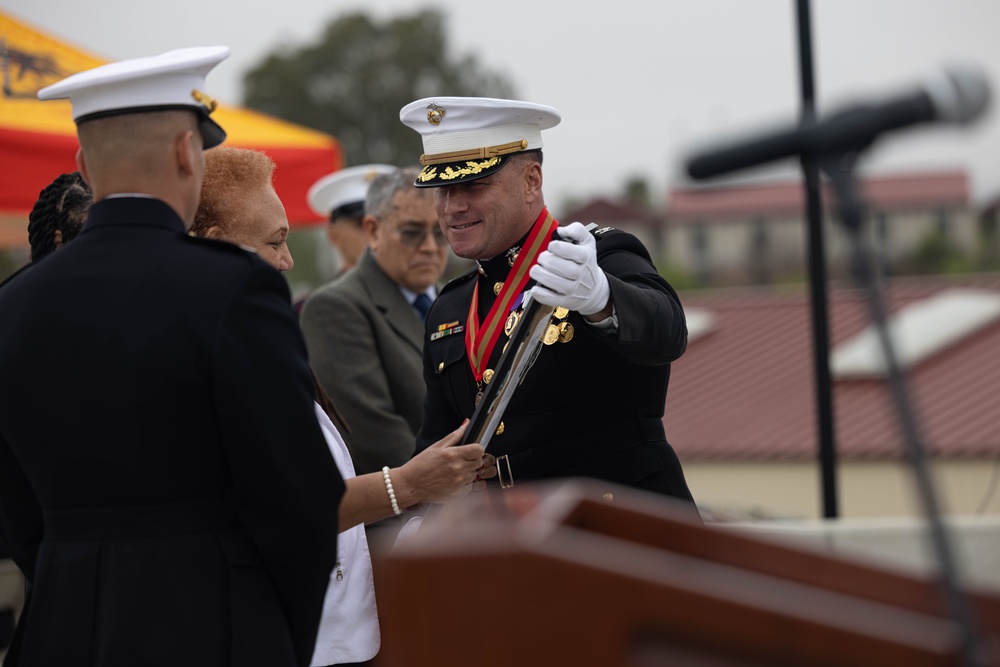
955, 95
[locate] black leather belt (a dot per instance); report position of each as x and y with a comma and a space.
541, 461
136, 521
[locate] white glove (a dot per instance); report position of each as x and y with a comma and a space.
567, 273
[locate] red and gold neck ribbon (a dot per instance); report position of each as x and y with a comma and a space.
480, 341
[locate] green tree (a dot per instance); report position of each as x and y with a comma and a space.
934, 254
355, 79
637, 193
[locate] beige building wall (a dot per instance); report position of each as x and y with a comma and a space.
730, 243
865, 489
881, 519
899, 544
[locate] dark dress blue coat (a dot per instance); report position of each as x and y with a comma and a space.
164, 484
589, 407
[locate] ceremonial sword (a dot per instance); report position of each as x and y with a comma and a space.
522, 349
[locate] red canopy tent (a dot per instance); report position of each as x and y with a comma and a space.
38, 139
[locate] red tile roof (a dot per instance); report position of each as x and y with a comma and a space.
606, 212
885, 193
746, 389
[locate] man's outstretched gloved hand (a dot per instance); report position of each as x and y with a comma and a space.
567, 273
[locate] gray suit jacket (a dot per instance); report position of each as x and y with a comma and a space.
365, 345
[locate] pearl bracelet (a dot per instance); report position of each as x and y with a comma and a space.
390, 491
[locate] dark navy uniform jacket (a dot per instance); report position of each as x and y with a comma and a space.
164, 484
590, 407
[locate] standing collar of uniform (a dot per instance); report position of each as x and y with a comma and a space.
497, 268
133, 211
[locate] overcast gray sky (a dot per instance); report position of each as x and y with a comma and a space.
638, 82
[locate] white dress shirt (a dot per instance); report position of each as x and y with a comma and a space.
348, 630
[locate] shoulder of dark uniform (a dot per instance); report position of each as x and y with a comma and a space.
221, 263
221, 249
20, 272
457, 282
610, 239
451, 306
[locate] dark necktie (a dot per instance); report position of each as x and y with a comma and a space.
422, 304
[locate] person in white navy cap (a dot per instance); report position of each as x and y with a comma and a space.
340, 199
592, 404
164, 484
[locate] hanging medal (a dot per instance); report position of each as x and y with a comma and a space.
481, 340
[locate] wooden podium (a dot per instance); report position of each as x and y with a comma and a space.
580, 573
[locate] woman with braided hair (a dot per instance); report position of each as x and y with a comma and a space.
56, 219
58, 215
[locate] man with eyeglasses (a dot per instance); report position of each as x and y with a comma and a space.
364, 331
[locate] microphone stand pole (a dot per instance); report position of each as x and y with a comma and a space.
851, 209
817, 280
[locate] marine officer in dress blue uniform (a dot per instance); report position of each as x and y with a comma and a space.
164, 484
592, 404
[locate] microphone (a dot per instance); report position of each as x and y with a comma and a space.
957, 94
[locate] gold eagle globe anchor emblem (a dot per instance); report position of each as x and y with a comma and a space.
434, 114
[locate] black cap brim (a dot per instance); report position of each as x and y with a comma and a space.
212, 133
463, 171
353, 210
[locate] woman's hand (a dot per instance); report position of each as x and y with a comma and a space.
445, 470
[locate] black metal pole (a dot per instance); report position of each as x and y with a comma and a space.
973, 652
817, 278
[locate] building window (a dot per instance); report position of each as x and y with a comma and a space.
700, 250
759, 251
942, 221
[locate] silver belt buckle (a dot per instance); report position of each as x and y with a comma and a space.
510, 476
